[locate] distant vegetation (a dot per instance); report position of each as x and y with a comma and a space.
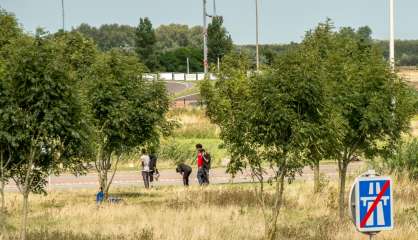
176, 42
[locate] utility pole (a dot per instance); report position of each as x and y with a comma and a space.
63, 15
214, 8
188, 66
205, 39
256, 37
392, 35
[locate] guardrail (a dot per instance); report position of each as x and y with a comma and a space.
172, 76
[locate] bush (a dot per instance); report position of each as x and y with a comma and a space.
404, 159
183, 150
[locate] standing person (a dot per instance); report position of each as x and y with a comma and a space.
206, 164
153, 168
185, 171
145, 163
201, 171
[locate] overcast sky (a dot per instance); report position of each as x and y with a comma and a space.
280, 21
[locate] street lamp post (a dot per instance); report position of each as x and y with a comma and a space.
63, 15
256, 33
392, 35
205, 40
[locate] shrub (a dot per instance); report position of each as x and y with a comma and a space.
404, 159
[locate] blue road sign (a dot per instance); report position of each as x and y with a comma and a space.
374, 204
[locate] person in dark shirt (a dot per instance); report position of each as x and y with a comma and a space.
185, 171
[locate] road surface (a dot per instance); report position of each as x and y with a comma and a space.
170, 177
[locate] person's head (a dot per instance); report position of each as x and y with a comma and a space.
143, 151
178, 169
199, 147
101, 189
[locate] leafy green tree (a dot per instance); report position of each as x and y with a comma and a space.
47, 119
176, 60
267, 121
145, 41
172, 36
126, 111
9, 28
374, 106
219, 40
9, 32
322, 133
109, 36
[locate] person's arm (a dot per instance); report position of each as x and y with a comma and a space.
195, 158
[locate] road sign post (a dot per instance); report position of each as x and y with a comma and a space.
371, 203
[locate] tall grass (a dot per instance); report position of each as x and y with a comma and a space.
193, 124
215, 212
176, 150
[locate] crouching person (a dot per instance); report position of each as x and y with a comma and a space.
185, 171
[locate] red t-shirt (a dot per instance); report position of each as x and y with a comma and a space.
199, 159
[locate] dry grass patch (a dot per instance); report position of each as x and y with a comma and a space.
214, 212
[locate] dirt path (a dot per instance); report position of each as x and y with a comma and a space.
170, 177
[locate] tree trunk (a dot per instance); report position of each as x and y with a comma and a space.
272, 228
3, 200
24, 220
2, 184
106, 192
317, 181
342, 172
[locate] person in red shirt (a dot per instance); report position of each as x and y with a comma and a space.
201, 173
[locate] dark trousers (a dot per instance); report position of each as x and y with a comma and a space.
203, 176
146, 177
206, 175
151, 176
186, 176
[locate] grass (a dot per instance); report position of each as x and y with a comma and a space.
194, 128
214, 212
189, 91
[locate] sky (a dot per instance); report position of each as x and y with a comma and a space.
280, 21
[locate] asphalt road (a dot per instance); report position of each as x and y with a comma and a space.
170, 177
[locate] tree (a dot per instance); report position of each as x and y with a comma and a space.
145, 41
109, 36
322, 134
125, 110
9, 31
176, 60
172, 36
373, 105
9, 28
219, 40
267, 121
47, 119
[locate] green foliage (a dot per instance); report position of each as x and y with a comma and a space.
125, 108
219, 40
404, 159
268, 120
182, 150
173, 36
109, 36
176, 60
145, 41
126, 111
369, 103
44, 115
9, 28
